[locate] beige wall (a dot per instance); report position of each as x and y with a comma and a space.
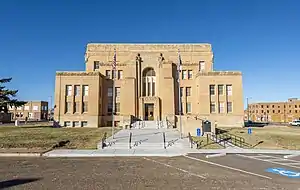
132, 62
275, 111
33, 110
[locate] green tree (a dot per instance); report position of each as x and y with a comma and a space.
8, 97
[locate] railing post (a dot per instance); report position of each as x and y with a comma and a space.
130, 136
164, 140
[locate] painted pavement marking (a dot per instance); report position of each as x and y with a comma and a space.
179, 169
284, 172
228, 167
267, 160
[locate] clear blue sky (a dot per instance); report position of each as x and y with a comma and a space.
259, 37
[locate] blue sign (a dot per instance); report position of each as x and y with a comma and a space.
198, 132
249, 130
284, 172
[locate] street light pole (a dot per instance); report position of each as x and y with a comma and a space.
179, 93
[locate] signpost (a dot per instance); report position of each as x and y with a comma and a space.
284, 172
198, 132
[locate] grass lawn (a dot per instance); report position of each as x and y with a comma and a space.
202, 141
271, 137
36, 137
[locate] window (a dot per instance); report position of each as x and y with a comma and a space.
181, 91
84, 123
68, 107
109, 107
184, 74
229, 90
188, 91
67, 124
69, 90
107, 73
188, 107
262, 106
212, 107
201, 65
229, 107
118, 91
212, 89
220, 89
26, 108
35, 108
278, 111
295, 106
267, 106
85, 90
120, 74
274, 111
273, 106
76, 124
190, 74
96, 65
267, 111
109, 92
77, 90
114, 74
221, 107
76, 107
84, 107
117, 108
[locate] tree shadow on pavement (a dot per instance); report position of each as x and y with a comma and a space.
15, 182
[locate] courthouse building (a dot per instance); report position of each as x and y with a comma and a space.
146, 87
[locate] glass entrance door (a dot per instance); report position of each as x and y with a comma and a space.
149, 112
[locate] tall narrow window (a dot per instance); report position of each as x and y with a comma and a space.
201, 65
188, 91
181, 91
118, 91
77, 90
153, 88
117, 107
76, 107
69, 90
120, 74
221, 107
212, 89
84, 107
109, 100
85, 90
96, 65
229, 90
184, 74
190, 74
220, 89
149, 80
188, 107
107, 73
68, 107
212, 107
109, 92
229, 107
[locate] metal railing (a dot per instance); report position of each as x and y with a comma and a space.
190, 139
222, 137
130, 139
103, 140
164, 140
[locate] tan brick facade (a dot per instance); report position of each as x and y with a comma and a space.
146, 86
33, 110
275, 111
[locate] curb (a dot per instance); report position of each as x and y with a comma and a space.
215, 155
291, 156
20, 154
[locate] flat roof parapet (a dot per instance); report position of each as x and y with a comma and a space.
220, 73
77, 73
155, 47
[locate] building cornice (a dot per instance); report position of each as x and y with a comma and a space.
102, 47
78, 73
219, 73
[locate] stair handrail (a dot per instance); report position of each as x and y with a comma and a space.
164, 140
104, 139
130, 138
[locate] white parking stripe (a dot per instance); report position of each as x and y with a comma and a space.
182, 170
228, 167
284, 164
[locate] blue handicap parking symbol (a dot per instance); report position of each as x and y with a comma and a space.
284, 172
198, 132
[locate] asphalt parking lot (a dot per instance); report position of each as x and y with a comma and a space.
193, 171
